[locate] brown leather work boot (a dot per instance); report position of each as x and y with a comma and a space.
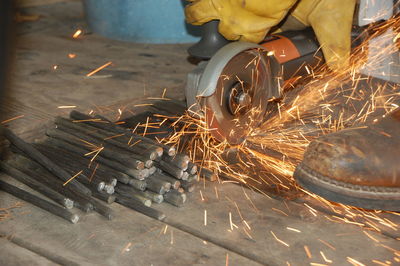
356, 166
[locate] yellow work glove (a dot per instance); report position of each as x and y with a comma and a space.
251, 20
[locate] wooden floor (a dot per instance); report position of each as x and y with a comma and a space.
222, 223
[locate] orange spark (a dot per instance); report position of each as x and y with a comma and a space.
280, 241
11, 119
98, 69
66, 106
77, 34
308, 253
72, 178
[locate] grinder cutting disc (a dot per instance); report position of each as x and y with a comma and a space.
241, 96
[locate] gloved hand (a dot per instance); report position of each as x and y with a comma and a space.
251, 20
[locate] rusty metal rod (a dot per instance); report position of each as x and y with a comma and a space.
138, 174
109, 189
121, 177
179, 160
44, 161
39, 202
101, 209
192, 168
104, 197
175, 183
170, 169
157, 185
90, 145
207, 174
175, 198
39, 187
75, 164
185, 176
35, 171
130, 192
188, 186
111, 127
93, 185
101, 172
145, 201
192, 178
139, 207
171, 151
118, 141
152, 170
113, 182
138, 184
84, 202
157, 198
148, 163
141, 150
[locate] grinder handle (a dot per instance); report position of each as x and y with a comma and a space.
211, 41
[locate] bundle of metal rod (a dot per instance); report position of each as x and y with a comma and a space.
39, 202
133, 173
140, 150
29, 168
88, 177
77, 162
109, 161
93, 145
167, 149
82, 201
96, 185
85, 201
173, 167
97, 170
35, 185
29, 150
111, 127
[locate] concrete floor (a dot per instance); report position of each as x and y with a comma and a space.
262, 230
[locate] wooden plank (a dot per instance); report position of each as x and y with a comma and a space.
12, 254
257, 220
129, 239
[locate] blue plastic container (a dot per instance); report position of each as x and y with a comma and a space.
145, 21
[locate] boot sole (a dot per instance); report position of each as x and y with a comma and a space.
367, 197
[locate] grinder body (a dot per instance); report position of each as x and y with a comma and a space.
234, 87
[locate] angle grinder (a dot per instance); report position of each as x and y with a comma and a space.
234, 85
